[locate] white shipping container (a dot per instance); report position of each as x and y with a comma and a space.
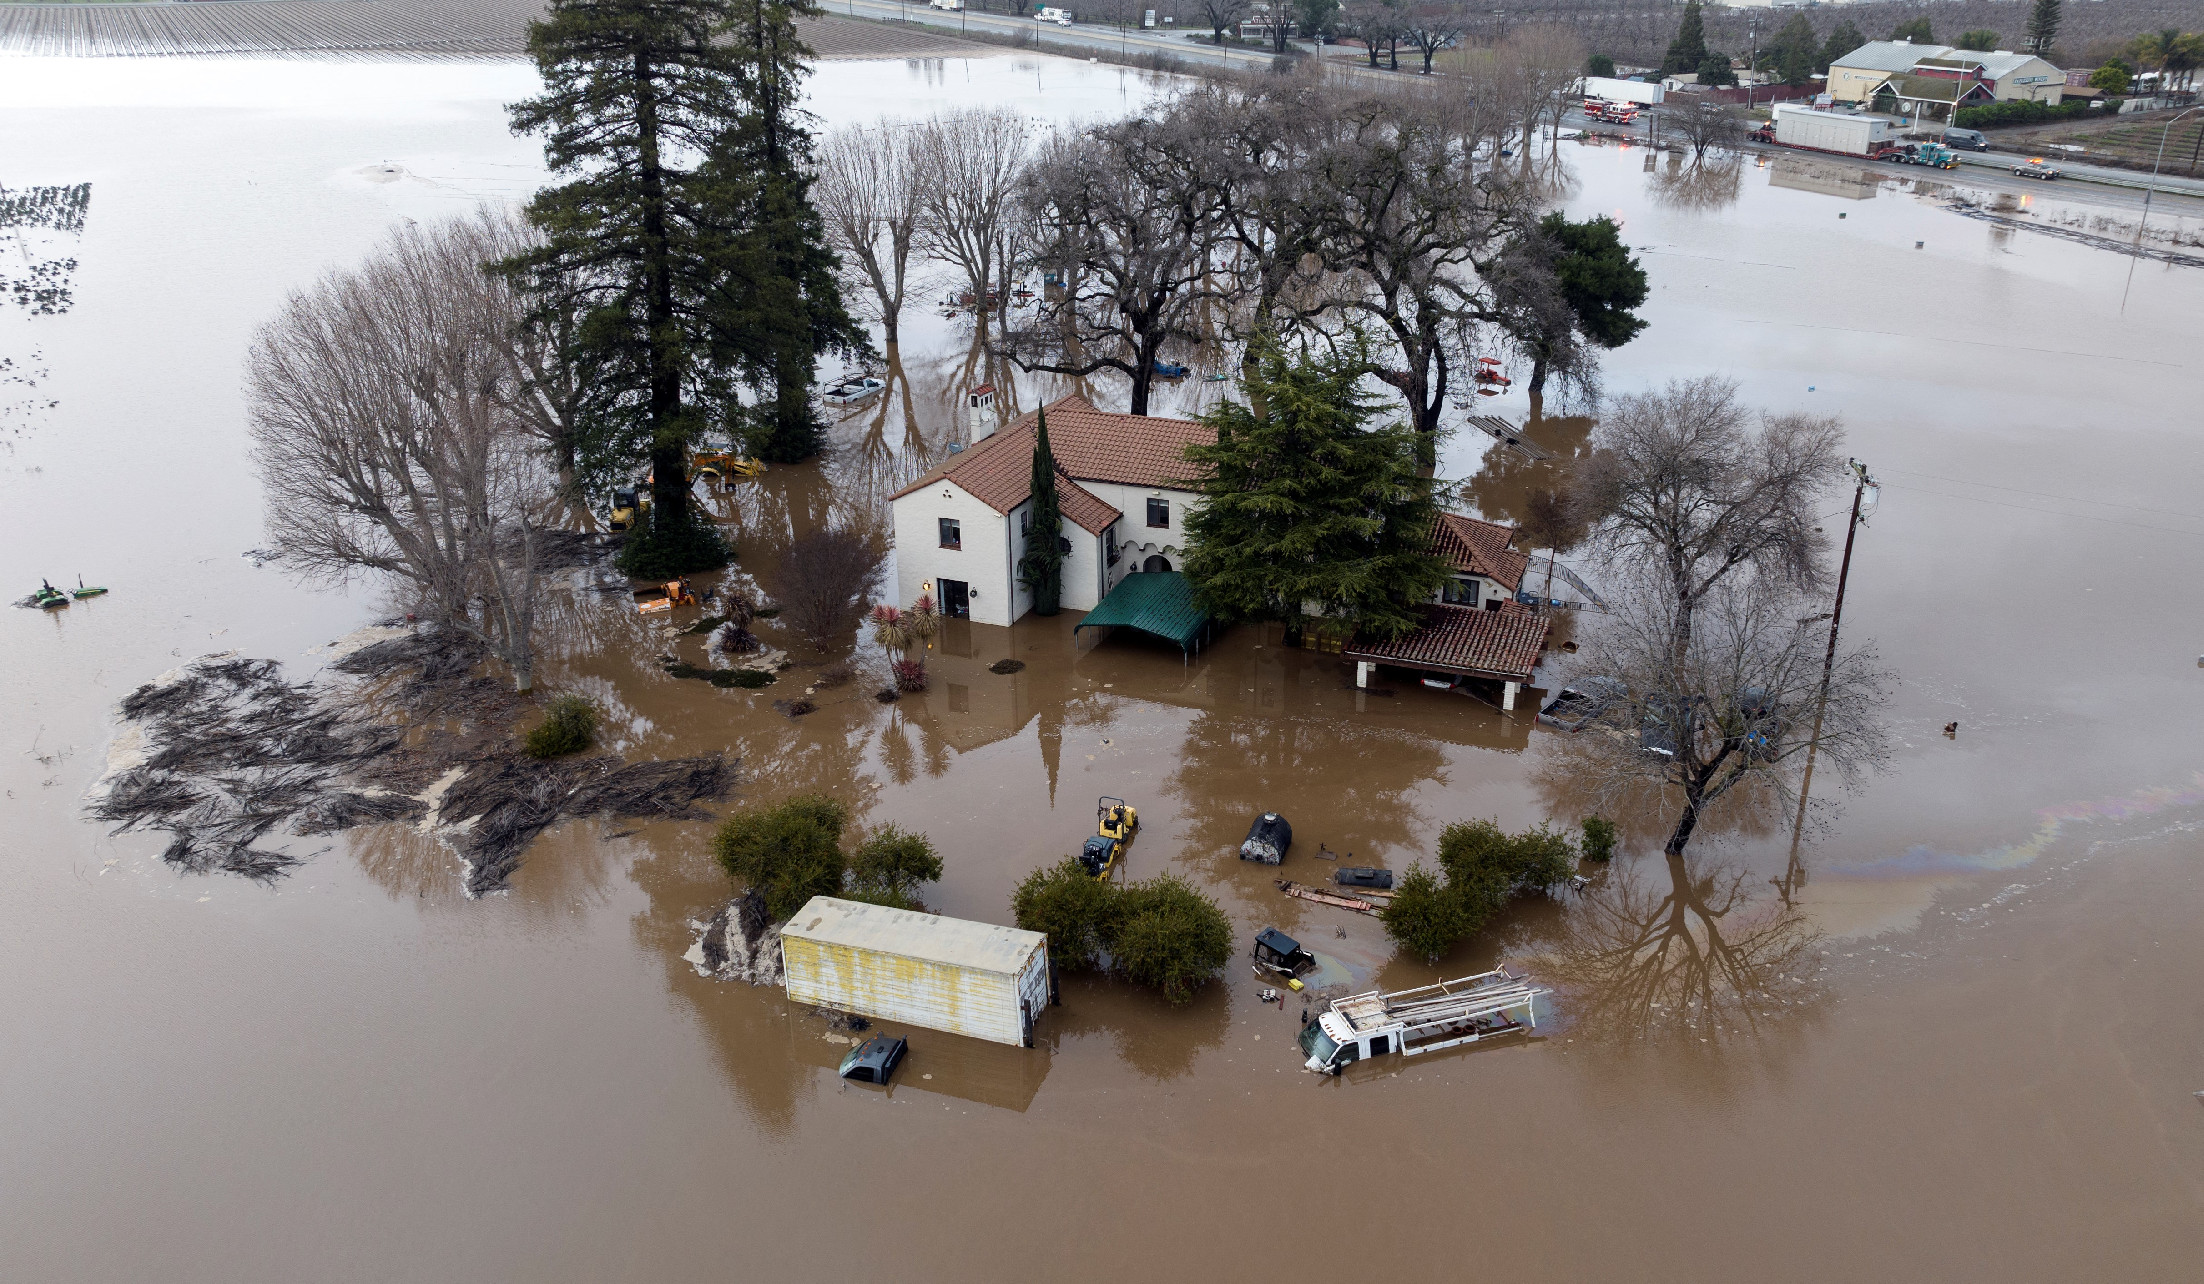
1622, 91
1830, 131
951, 974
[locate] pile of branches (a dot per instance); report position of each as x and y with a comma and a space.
232, 751
234, 755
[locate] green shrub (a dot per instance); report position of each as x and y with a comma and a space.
1170, 937
569, 725
2019, 111
1599, 65
1066, 904
789, 852
1599, 838
792, 851
889, 865
1485, 867
1424, 917
1162, 932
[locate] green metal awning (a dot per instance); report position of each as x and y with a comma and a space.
1160, 603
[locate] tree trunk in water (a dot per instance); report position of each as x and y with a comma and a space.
524, 675
1538, 375
669, 467
1684, 825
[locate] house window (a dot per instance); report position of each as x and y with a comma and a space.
952, 534
1109, 541
1462, 592
1159, 512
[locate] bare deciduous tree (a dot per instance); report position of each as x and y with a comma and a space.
869, 195
969, 164
1400, 215
1703, 126
1734, 705
1222, 16
822, 582
1378, 25
1686, 488
387, 419
1543, 61
1128, 215
1431, 25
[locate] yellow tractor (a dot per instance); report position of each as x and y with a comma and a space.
1115, 824
628, 507
725, 467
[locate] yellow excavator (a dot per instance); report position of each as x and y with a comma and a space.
1115, 823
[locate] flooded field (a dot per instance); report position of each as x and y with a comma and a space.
1954, 1035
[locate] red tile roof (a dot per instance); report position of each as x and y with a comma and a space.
1462, 639
1480, 548
1089, 445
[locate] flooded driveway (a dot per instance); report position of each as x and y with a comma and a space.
1957, 1038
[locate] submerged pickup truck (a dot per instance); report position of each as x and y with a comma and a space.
1424, 1019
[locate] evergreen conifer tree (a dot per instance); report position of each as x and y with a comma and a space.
2043, 27
1689, 49
635, 236
782, 284
1843, 39
1041, 566
1305, 503
1796, 51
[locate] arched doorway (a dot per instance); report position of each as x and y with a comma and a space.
1156, 562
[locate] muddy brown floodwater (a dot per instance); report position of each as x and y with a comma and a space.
1964, 1048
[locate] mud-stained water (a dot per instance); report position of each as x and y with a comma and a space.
1957, 1038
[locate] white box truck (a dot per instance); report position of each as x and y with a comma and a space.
1061, 17
1827, 131
951, 974
1607, 89
951, 5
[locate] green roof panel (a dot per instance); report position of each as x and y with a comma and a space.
1160, 603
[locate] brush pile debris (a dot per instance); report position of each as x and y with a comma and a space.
739, 943
228, 758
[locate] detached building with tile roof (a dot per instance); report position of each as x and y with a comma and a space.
1120, 482
1477, 628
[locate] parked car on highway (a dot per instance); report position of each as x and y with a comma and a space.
2035, 169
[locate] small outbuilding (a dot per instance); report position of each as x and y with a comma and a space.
979, 979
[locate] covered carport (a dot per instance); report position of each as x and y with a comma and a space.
1501, 646
1158, 603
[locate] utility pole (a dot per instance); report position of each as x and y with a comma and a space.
1794, 874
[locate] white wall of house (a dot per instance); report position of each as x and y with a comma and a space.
1135, 536
1489, 591
984, 563
993, 543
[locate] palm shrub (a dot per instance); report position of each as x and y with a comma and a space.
569, 726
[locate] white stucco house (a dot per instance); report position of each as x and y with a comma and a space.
960, 529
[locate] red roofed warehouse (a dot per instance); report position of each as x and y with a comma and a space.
961, 528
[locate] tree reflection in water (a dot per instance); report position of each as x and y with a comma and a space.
1698, 955
1709, 184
